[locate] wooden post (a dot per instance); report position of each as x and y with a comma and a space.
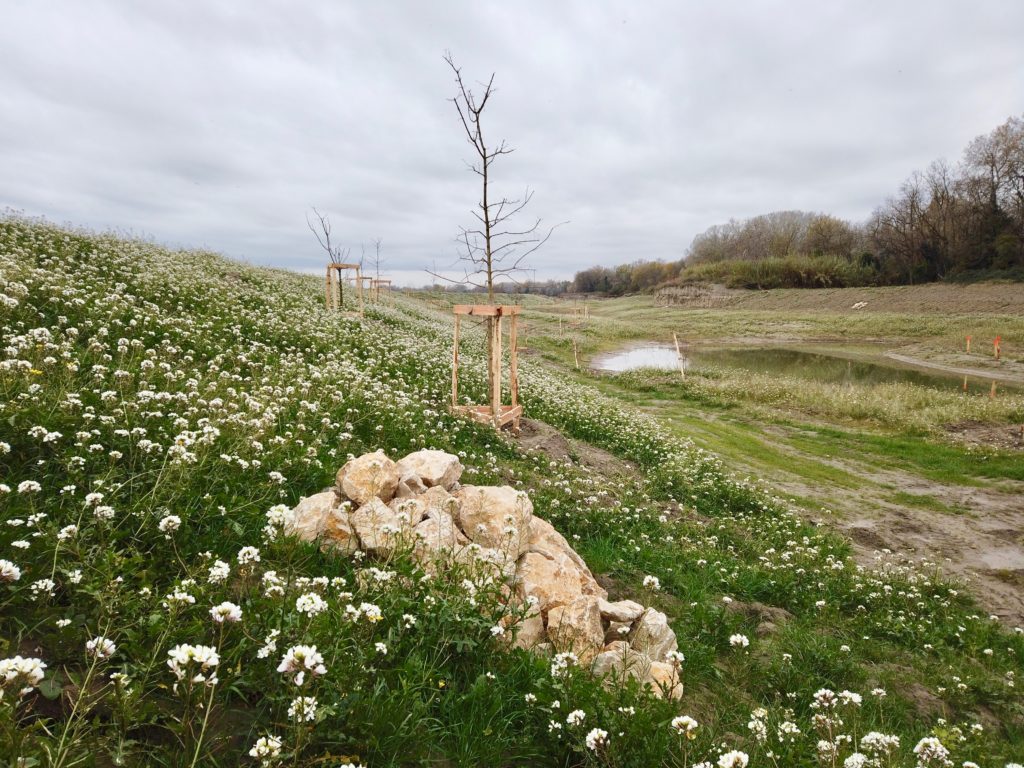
995, 346
327, 290
965, 383
679, 357
992, 392
455, 366
495, 378
575, 353
513, 360
968, 345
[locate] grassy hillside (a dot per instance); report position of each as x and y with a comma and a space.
156, 410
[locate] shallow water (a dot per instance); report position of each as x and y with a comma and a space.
824, 365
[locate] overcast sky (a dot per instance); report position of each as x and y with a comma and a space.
219, 124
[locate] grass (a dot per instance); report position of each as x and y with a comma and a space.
922, 501
182, 386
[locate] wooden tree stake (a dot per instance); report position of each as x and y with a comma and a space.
679, 357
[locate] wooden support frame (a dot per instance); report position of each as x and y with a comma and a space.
496, 413
334, 290
366, 286
375, 289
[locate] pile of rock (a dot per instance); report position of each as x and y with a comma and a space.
378, 505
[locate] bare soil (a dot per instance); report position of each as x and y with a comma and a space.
978, 539
538, 435
981, 435
938, 298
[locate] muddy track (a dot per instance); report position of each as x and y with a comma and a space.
980, 373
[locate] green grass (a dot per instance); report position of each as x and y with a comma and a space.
213, 392
922, 501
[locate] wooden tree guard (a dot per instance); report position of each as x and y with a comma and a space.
496, 413
334, 292
375, 289
579, 315
366, 286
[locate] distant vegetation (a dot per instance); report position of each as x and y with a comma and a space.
952, 222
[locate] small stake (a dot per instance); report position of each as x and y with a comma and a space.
575, 353
965, 383
995, 345
968, 345
679, 357
992, 392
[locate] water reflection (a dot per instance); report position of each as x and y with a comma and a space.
814, 365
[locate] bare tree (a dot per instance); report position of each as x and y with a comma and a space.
377, 259
321, 229
494, 246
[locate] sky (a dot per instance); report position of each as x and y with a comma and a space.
220, 124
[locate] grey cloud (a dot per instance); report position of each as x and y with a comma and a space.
221, 124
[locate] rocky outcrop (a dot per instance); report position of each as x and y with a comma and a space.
369, 476
432, 468
379, 506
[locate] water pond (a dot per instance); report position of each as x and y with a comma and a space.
853, 366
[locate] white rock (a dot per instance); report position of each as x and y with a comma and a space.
377, 526
526, 628
439, 502
623, 610
545, 540
432, 468
577, 627
368, 476
653, 636
413, 510
437, 534
496, 517
546, 580
618, 661
307, 519
664, 680
409, 486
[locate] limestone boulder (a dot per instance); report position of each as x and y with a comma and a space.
409, 486
338, 533
484, 561
437, 534
652, 635
619, 662
437, 501
432, 468
496, 516
411, 511
617, 631
306, 520
377, 526
368, 476
545, 540
577, 627
526, 629
664, 680
621, 611
551, 583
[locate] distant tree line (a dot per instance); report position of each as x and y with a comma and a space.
949, 220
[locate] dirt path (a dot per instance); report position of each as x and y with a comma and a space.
977, 534
1009, 377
